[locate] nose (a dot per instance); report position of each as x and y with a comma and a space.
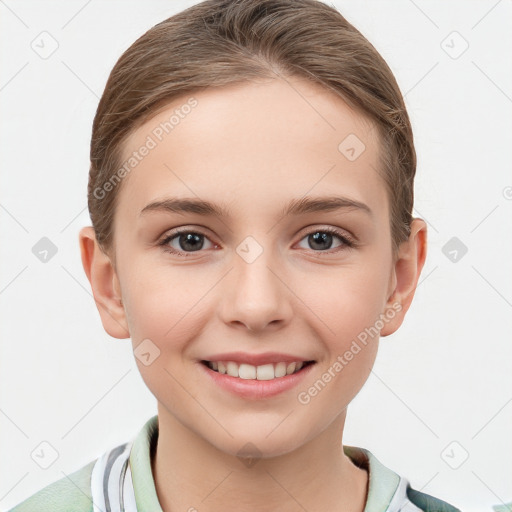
255, 295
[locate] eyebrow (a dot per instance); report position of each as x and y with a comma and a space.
300, 206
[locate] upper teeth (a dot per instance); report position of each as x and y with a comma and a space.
248, 371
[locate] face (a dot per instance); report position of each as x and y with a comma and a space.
253, 284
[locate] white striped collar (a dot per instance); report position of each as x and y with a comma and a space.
111, 481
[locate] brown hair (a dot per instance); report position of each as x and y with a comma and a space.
220, 42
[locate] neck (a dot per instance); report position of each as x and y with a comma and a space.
191, 474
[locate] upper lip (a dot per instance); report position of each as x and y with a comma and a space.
256, 359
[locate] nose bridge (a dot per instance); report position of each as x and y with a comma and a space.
256, 296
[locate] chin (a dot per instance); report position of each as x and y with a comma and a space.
254, 441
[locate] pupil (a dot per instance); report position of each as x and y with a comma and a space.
319, 237
189, 238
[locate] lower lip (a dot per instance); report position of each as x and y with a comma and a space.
257, 389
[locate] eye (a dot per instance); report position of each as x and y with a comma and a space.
321, 239
186, 240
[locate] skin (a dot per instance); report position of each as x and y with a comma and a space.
253, 147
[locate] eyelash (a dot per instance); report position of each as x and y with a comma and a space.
348, 241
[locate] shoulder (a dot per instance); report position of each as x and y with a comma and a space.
428, 503
385, 487
71, 493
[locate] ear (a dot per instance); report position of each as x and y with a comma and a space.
104, 283
404, 279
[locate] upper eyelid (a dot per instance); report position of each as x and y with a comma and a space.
339, 232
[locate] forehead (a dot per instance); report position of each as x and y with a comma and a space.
254, 145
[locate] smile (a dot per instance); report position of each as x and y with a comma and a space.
250, 372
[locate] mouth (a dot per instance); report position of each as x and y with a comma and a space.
264, 372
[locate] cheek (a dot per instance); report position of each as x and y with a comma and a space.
346, 303
161, 301
165, 310
162, 317
345, 316
345, 312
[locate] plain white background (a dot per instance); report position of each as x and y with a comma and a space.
437, 407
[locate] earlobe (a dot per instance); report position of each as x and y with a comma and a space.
104, 284
407, 270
